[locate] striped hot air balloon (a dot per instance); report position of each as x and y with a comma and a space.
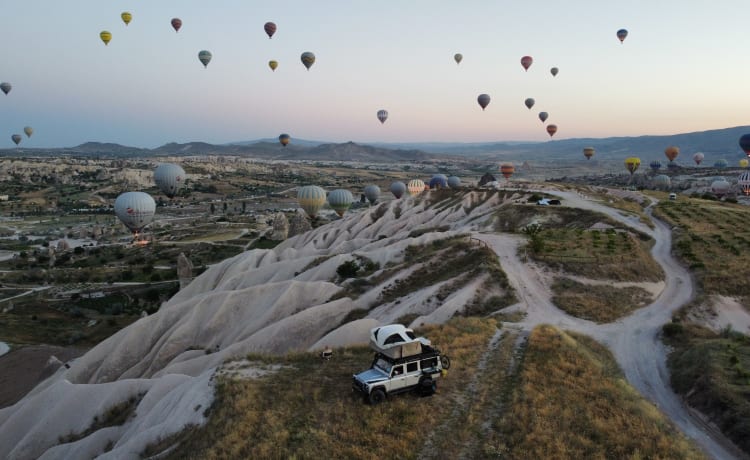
340, 200
415, 187
311, 199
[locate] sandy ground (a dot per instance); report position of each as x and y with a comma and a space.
30, 366
722, 312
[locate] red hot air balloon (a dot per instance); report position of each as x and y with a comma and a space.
551, 130
507, 170
270, 29
176, 24
483, 100
671, 152
745, 144
526, 62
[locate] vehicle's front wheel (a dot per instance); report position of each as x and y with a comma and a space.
376, 397
445, 361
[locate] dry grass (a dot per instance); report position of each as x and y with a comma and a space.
572, 402
599, 303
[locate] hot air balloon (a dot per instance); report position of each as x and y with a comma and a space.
28, 130
135, 210
720, 187
543, 116
744, 182
662, 182
529, 102
588, 152
308, 59
438, 181
632, 164
554, 71
340, 200
170, 178
383, 115
372, 193
698, 157
655, 165
270, 29
273, 65
621, 34
176, 24
398, 188
744, 143
454, 182
284, 139
526, 62
744, 163
507, 170
16, 138
483, 100
458, 57
415, 186
311, 199
671, 152
205, 57
551, 130
105, 36
5, 87
126, 17
721, 163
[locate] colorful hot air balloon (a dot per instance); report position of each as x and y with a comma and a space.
744, 144
483, 100
588, 152
28, 130
398, 188
382, 115
529, 102
415, 186
551, 130
621, 34
454, 182
671, 152
698, 157
543, 116
526, 62
554, 71
273, 65
662, 182
340, 200
135, 210
655, 165
632, 164
308, 59
5, 87
16, 138
720, 187
105, 36
744, 182
284, 139
176, 24
438, 181
507, 170
205, 57
126, 17
458, 57
170, 178
270, 29
311, 199
744, 163
372, 193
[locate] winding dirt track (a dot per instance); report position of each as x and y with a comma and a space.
634, 340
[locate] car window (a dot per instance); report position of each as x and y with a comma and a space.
411, 367
411, 335
383, 365
397, 370
428, 363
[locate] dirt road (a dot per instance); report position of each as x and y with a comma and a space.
634, 340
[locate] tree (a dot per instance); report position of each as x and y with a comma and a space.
348, 269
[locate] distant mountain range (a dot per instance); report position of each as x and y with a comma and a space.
718, 143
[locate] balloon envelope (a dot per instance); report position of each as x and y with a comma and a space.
721, 163
662, 181
170, 178
5, 87
621, 34
744, 163
588, 152
28, 130
543, 116
126, 17
744, 143
551, 130
398, 188
529, 102
671, 152
176, 24
383, 115
632, 164
720, 187
205, 57
554, 71
698, 157
372, 193
311, 199
16, 138
273, 65
458, 57
438, 181
105, 36
507, 170
135, 210
284, 139
526, 62
744, 182
415, 186
308, 59
483, 100
454, 182
340, 200
655, 165
270, 29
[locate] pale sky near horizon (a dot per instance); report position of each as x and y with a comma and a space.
682, 68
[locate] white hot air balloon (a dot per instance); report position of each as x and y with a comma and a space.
170, 178
135, 210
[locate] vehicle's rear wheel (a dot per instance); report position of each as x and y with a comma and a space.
445, 361
377, 397
427, 387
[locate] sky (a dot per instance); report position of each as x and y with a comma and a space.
682, 68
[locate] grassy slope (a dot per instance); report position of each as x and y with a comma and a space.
599, 303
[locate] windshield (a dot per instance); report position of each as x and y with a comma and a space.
383, 365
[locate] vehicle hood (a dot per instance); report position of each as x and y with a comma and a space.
371, 376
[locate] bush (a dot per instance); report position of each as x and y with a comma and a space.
673, 330
348, 269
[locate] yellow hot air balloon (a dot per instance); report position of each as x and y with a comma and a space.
632, 164
126, 17
744, 163
105, 36
273, 65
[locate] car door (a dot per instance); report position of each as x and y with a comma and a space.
398, 378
